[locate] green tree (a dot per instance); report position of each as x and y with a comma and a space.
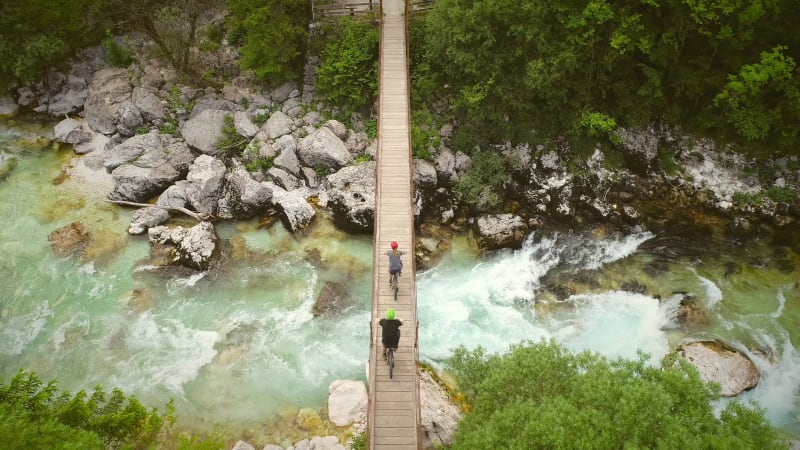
513, 68
34, 414
172, 25
275, 33
480, 186
762, 95
347, 75
543, 396
36, 35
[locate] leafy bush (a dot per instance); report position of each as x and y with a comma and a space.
38, 35
260, 119
118, 55
479, 186
782, 194
231, 143
36, 415
358, 442
275, 33
423, 134
371, 128
171, 128
260, 164
543, 396
347, 75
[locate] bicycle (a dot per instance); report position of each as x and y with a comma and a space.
393, 281
390, 361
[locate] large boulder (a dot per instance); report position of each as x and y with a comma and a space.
719, 363
640, 148
243, 125
8, 107
151, 108
71, 131
109, 90
424, 186
244, 197
128, 119
500, 231
206, 180
347, 402
287, 155
440, 416
278, 124
205, 130
145, 165
351, 197
296, 211
193, 247
323, 148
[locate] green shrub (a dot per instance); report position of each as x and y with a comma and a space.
260, 164
667, 161
171, 128
37, 415
231, 143
275, 34
371, 128
118, 55
479, 186
540, 395
358, 442
347, 75
744, 198
142, 130
260, 119
782, 194
423, 134
613, 159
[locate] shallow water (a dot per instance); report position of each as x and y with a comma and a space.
239, 348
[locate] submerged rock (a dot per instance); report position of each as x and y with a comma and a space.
332, 298
70, 239
719, 363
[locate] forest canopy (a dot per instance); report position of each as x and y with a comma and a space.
726, 68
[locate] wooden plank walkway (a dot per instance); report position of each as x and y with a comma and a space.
394, 413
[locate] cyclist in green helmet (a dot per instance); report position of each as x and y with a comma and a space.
391, 331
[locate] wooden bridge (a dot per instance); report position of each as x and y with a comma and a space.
393, 417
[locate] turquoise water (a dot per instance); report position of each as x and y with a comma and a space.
239, 346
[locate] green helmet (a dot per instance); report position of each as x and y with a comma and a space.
390, 314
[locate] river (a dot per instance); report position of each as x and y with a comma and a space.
239, 349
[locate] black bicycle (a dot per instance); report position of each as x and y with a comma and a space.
395, 284
390, 361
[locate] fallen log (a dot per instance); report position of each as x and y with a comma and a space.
200, 217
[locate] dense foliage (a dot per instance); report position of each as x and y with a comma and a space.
347, 76
36, 35
274, 34
543, 396
725, 67
35, 415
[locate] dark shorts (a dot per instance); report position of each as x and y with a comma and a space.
392, 272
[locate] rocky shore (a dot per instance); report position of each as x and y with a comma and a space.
144, 140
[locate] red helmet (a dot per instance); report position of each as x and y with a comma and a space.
394, 245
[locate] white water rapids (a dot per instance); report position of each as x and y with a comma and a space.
238, 347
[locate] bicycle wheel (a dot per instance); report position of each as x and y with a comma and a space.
395, 286
390, 361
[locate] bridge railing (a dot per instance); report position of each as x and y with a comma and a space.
328, 8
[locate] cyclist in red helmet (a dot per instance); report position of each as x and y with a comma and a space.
395, 263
